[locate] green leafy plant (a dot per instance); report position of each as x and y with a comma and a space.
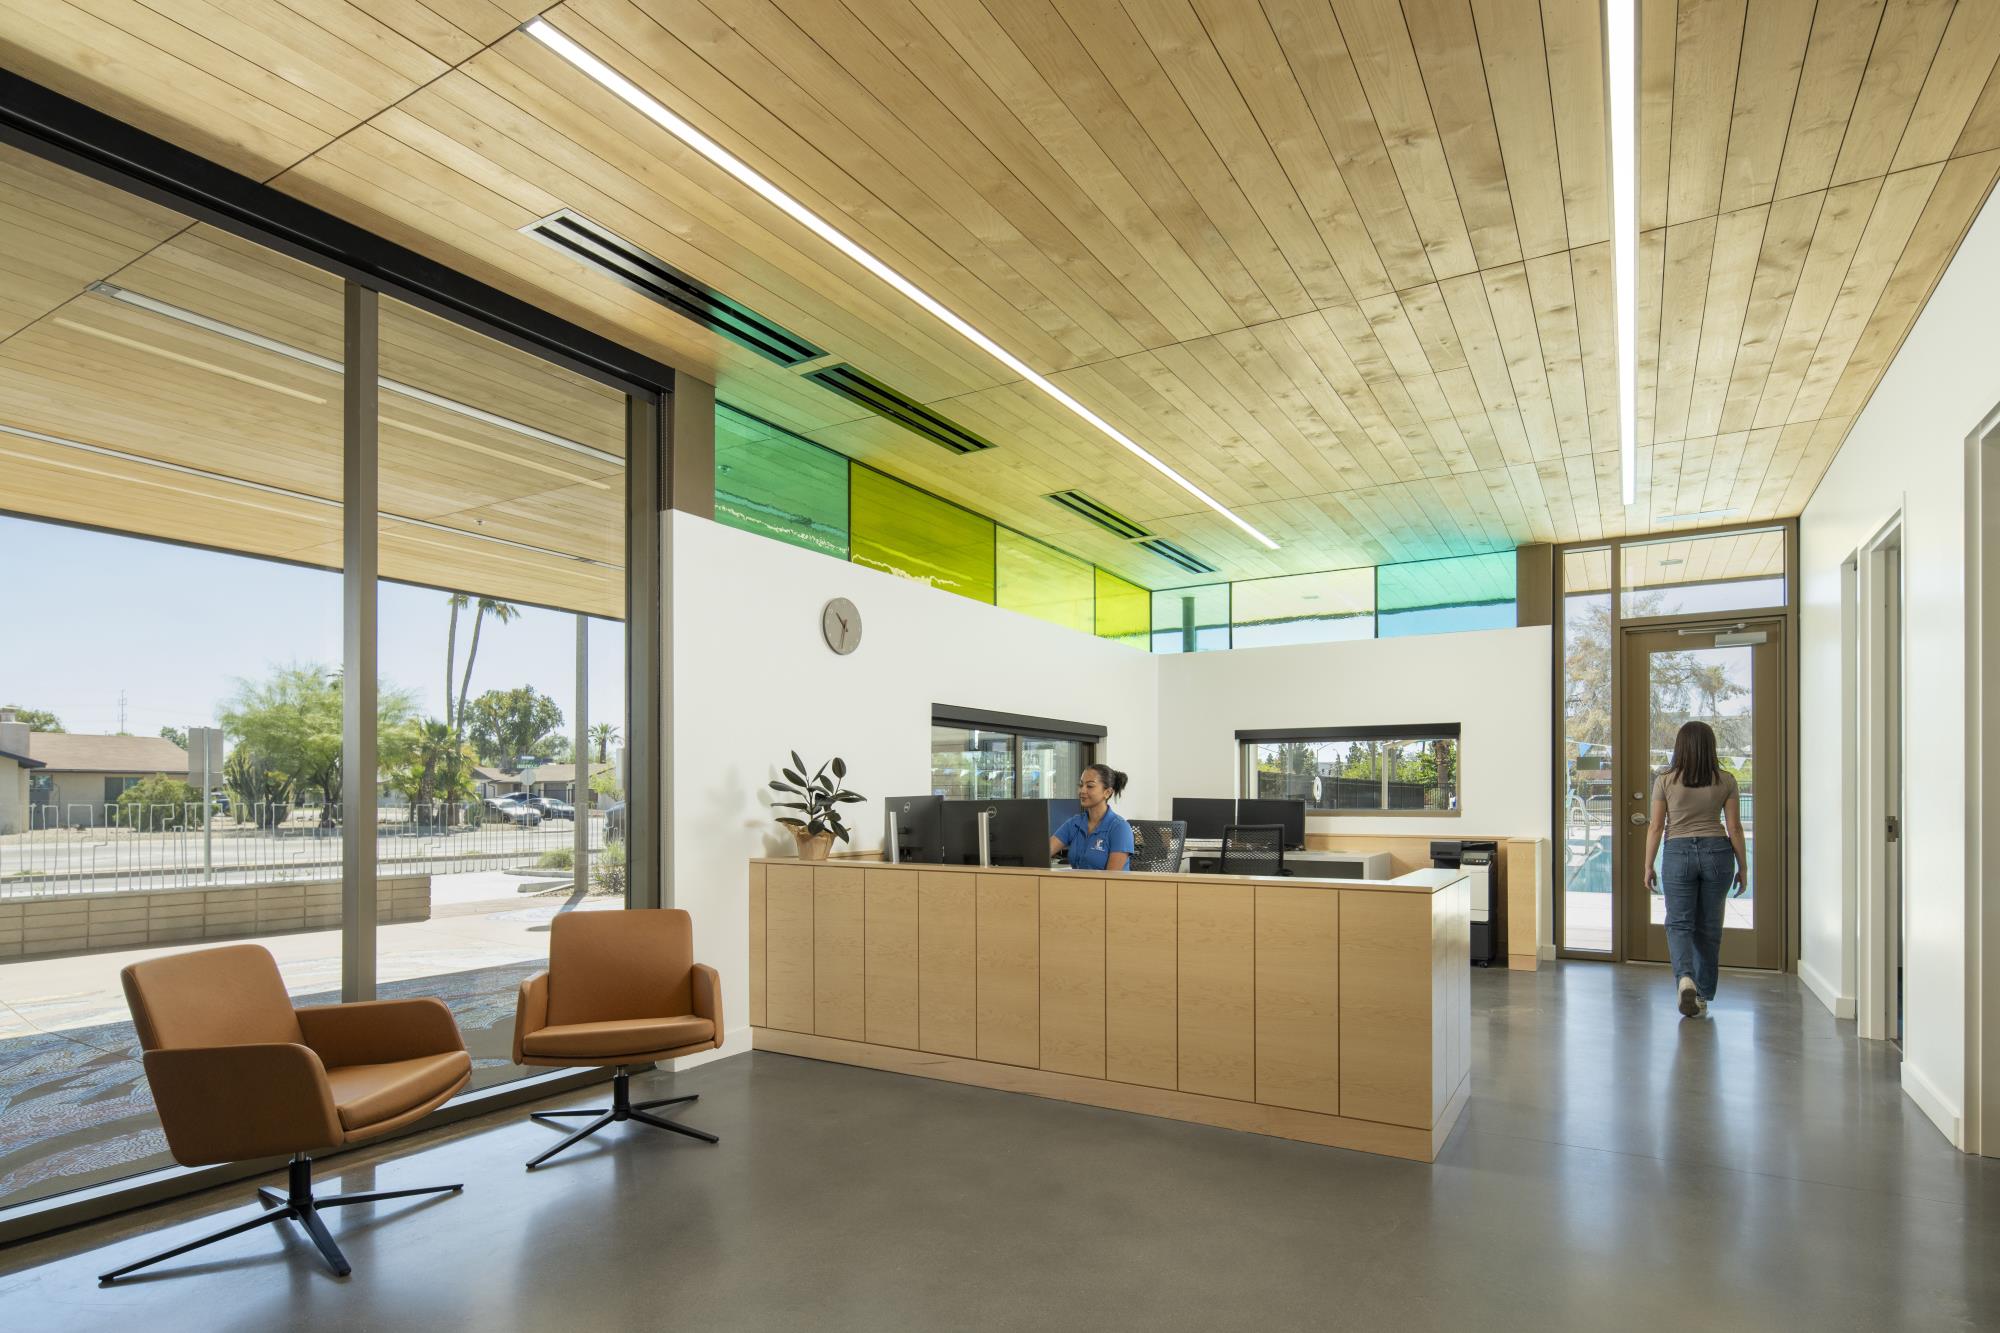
607, 868
159, 803
820, 798
556, 858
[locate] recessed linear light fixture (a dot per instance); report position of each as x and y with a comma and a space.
654, 110
1621, 74
327, 363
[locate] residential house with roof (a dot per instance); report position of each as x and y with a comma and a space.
68, 780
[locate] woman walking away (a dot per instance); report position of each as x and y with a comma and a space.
1691, 802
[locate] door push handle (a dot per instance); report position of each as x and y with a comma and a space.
1638, 819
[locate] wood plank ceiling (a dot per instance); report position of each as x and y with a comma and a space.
1344, 263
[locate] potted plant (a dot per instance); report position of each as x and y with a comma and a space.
820, 798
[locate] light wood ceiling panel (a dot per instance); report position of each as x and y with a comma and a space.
1343, 263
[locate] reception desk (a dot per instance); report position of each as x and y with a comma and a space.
1332, 1011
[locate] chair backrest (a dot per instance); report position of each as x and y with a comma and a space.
1253, 849
231, 996
626, 963
1157, 845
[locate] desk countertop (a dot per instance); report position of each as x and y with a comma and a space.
1428, 880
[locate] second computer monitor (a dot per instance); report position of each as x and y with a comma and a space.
1205, 816
1291, 814
919, 827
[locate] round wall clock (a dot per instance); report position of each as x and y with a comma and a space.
841, 624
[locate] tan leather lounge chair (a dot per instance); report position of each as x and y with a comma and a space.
237, 1073
622, 989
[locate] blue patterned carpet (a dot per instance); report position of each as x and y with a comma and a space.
74, 1108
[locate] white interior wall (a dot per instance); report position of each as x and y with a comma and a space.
753, 680
1906, 455
1494, 683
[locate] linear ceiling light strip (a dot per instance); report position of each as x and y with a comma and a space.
650, 107
302, 497
1621, 71
327, 363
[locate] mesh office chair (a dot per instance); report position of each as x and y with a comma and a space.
1253, 849
1157, 845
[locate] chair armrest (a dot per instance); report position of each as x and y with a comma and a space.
531, 1011
708, 997
374, 1032
237, 1103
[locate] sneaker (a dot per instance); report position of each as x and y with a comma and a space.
1690, 1000
1701, 1007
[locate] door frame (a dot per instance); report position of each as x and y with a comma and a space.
1629, 838
1789, 721
1874, 993
1980, 1119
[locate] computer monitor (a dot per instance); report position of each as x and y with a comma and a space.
1060, 810
1206, 816
1016, 835
919, 828
1291, 813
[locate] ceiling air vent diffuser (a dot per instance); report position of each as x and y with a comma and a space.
1166, 550
1102, 515
624, 262
905, 411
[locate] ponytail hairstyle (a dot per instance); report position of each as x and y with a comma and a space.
1694, 756
1113, 780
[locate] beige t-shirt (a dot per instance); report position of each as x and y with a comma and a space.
1695, 812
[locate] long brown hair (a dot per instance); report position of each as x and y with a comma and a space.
1694, 756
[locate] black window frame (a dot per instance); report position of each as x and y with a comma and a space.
1249, 739
1020, 727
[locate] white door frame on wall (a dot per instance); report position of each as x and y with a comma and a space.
1982, 786
1874, 986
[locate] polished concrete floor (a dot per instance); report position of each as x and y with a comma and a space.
1618, 1167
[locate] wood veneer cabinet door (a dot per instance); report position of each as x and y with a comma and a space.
788, 947
1072, 975
838, 995
1009, 968
1141, 983
1217, 1000
1298, 998
890, 956
759, 930
1386, 957
947, 963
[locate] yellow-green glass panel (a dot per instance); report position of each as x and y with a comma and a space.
1124, 611
1042, 582
903, 531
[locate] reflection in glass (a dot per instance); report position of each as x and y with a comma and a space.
1191, 620
1043, 582
1303, 608
1586, 756
1732, 571
1050, 766
968, 764
1444, 596
777, 484
1124, 611
1414, 774
903, 531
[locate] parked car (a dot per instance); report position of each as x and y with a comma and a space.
552, 808
614, 822
516, 808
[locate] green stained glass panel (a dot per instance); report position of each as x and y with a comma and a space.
776, 484
1041, 581
901, 530
1124, 611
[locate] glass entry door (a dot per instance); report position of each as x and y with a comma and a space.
1733, 679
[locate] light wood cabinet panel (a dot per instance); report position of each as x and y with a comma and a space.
1217, 1002
788, 947
1009, 964
947, 963
890, 957
1386, 951
1298, 998
838, 995
1524, 903
1451, 993
1072, 975
1141, 983
758, 932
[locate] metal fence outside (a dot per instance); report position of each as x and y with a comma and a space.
132, 848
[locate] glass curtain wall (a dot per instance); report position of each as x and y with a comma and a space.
771, 482
1303, 608
904, 531
178, 390
1124, 611
502, 541
1191, 620
1443, 596
1586, 753
172, 440
1729, 571
1040, 581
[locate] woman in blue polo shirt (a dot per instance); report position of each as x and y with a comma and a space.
1099, 838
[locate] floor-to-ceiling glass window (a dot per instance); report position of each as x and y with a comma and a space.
1586, 754
502, 539
170, 464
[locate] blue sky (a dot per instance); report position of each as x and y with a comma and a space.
85, 616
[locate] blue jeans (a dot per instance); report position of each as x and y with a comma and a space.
1695, 877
